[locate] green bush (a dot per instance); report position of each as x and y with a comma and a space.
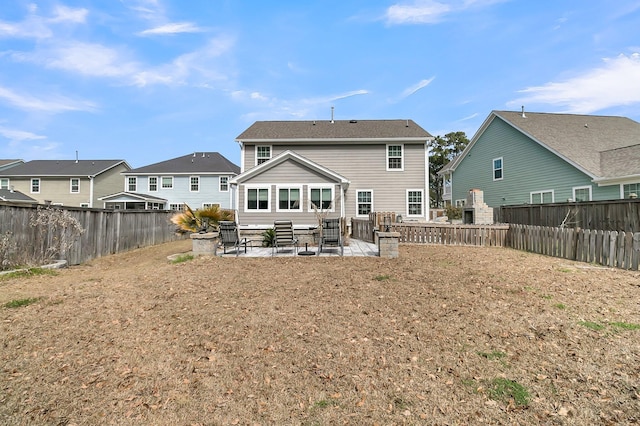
453, 212
268, 237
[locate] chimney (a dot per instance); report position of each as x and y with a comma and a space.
332, 108
523, 116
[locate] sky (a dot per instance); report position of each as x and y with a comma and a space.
150, 80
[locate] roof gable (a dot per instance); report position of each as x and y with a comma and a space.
198, 162
334, 130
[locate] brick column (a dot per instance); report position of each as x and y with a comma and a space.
388, 244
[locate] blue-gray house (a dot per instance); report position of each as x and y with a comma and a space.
532, 158
200, 180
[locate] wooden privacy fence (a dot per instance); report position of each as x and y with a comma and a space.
105, 231
449, 234
362, 229
609, 248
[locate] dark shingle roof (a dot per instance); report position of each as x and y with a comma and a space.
62, 168
339, 129
584, 139
8, 195
4, 163
198, 162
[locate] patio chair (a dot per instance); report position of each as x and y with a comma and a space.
284, 235
331, 235
230, 237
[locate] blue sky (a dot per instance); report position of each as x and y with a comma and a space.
149, 80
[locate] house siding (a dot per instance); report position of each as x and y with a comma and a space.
527, 167
209, 191
364, 165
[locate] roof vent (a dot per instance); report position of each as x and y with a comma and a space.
523, 116
203, 155
353, 121
332, 108
407, 125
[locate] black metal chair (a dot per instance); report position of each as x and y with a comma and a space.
230, 237
284, 235
331, 235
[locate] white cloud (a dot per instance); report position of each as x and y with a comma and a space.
68, 14
172, 28
39, 27
615, 83
19, 135
413, 89
430, 11
53, 104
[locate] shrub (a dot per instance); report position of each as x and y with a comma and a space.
453, 212
268, 237
200, 219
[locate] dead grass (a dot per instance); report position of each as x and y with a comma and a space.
136, 339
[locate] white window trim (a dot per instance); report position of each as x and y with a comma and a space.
553, 196
220, 184
401, 169
421, 203
71, 191
493, 168
161, 182
622, 189
357, 202
126, 184
270, 153
246, 198
149, 183
460, 202
573, 191
31, 185
333, 197
209, 205
299, 188
190, 189
8, 183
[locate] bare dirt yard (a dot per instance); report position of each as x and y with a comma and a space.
441, 335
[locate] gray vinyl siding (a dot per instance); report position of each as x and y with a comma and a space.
106, 183
364, 165
209, 191
527, 167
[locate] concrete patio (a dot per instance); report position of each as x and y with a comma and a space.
354, 248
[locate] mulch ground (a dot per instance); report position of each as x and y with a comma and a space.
441, 335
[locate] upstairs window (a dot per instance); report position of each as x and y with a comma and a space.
194, 183
74, 184
395, 157
35, 185
224, 183
153, 183
167, 182
497, 169
4, 183
132, 184
263, 153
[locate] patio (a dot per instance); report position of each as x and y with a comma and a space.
355, 248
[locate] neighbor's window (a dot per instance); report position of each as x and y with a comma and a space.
395, 159
84, 204
194, 183
631, 190
35, 185
74, 184
224, 183
153, 183
176, 207
365, 202
167, 182
582, 193
460, 202
321, 198
4, 183
209, 205
414, 202
289, 199
132, 184
257, 199
497, 168
541, 197
263, 153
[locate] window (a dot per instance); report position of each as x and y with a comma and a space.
132, 184
176, 207
35, 185
582, 193
414, 202
631, 190
395, 159
263, 153
84, 204
194, 183
224, 183
497, 169
321, 198
541, 197
289, 199
167, 182
4, 183
257, 199
364, 203
209, 205
74, 184
153, 183
461, 202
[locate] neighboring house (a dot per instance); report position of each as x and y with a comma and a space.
6, 164
78, 183
303, 170
520, 158
12, 196
199, 180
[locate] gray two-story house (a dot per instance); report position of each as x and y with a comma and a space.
304, 170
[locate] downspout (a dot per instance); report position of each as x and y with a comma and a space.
427, 198
90, 191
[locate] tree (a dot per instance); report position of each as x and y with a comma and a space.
443, 150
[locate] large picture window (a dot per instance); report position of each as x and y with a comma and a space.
289, 199
321, 198
257, 199
395, 157
365, 202
415, 205
497, 169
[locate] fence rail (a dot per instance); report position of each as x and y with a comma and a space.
105, 231
435, 233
